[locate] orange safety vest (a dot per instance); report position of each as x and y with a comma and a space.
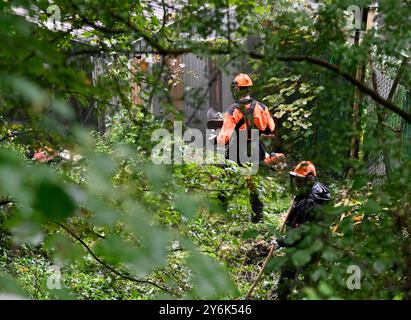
235, 118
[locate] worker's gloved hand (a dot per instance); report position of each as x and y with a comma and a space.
212, 137
275, 244
276, 161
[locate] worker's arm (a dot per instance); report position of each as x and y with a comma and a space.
227, 129
309, 211
285, 241
280, 242
263, 119
269, 120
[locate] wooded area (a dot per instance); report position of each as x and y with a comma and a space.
95, 95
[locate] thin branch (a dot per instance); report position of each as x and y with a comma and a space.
112, 269
360, 85
174, 278
5, 202
17, 133
95, 233
392, 128
163, 25
397, 78
165, 50
101, 27
161, 49
207, 189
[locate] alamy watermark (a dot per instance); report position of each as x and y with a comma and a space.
54, 279
354, 280
354, 18
55, 14
191, 146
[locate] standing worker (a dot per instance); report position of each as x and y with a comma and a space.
246, 114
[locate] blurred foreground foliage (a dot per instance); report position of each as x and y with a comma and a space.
113, 225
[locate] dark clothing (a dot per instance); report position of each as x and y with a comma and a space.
303, 210
255, 115
256, 206
286, 282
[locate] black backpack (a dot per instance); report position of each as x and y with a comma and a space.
248, 120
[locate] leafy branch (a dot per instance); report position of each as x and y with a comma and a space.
106, 265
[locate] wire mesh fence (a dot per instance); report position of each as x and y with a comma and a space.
328, 145
389, 126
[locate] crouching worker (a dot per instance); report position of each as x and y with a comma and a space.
310, 195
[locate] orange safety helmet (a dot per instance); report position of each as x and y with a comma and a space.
303, 169
242, 80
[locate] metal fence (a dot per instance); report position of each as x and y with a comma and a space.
332, 127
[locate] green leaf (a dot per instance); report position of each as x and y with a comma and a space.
114, 249
188, 204
53, 201
211, 280
301, 257
10, 289
64, 250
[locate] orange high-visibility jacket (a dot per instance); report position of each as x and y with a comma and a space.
262, 121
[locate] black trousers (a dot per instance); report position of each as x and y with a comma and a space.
288, 277
256, 207
255, 202
286, 282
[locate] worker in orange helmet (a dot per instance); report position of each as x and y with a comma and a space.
310, 195
246, 114
239, 116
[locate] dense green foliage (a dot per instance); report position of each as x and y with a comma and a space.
116, 226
